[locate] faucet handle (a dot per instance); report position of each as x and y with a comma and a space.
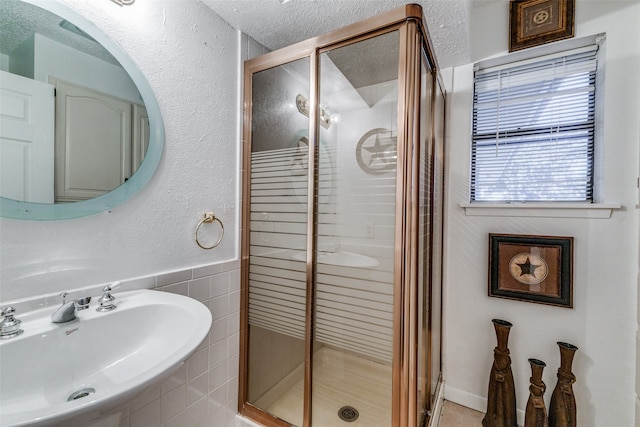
10, 326
8, 312
82, 303
63, 295
106, 300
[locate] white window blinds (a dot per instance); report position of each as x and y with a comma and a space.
533, 129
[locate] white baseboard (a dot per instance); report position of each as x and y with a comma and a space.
473, 401
465, 398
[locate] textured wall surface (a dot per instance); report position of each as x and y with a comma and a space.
190, 58
603, 321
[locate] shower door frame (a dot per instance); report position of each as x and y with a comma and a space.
414, 43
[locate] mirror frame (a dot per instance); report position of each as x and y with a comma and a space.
14, 209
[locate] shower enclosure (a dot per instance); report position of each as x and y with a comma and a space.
342, 228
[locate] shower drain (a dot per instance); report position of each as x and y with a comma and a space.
348, 414
81, 393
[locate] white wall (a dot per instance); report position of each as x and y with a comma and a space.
53, 59
603, 321
190, 57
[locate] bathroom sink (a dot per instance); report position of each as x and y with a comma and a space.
103, 359
343, 259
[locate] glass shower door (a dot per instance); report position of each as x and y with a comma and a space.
279, 175
353, 329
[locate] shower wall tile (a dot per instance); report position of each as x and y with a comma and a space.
148, 416
147, 397
232, 365
217, 375
177, 288
234, 344
219, 330
234, 279
177, 379
208, 270
217, 399
234, 323
200, 289
218, 353
173, 277
197, 364
219, 306
172, 403
219, 285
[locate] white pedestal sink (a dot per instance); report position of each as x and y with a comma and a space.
105, 358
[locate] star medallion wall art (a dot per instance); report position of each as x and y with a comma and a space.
376, 151
536, 22
531, 268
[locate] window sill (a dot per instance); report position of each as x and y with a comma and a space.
542, 210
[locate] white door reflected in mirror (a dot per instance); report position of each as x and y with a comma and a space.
95, 142
26, 136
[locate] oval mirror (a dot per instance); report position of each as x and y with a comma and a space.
80, 128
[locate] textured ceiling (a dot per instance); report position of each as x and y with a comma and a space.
279, 23
273, 23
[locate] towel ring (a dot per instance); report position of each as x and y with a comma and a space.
208, 217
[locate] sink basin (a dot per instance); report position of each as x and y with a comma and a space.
343, 259
107, 358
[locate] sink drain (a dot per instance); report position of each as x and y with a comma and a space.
81, 393
348, 414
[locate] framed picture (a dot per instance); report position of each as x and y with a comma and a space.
536, 22
531, 268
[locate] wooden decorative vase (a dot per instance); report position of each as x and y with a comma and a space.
536, 414
501, 399
562, 408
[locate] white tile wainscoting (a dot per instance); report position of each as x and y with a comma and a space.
204, 391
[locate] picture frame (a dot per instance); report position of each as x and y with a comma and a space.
530, 268
536, 22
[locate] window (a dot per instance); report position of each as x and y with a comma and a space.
534, 127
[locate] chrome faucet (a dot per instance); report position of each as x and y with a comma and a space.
10, 326
66, 312
107, 300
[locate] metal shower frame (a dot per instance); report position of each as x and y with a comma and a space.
415, 46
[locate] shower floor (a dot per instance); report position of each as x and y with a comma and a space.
339, 379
